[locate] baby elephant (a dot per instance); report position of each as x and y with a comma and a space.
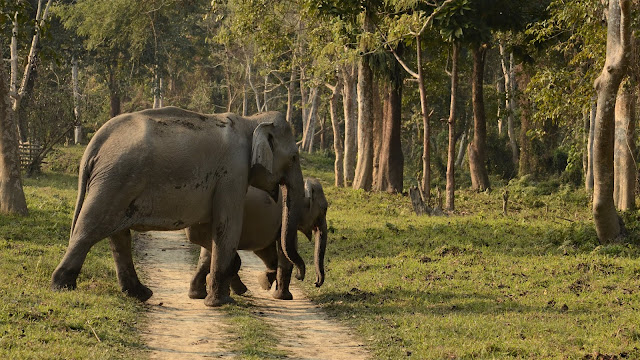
260, 232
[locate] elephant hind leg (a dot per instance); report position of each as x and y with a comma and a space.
120, 243
66, 273
198, 286
269, 257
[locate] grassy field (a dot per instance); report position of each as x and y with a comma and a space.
477, 284
472, 285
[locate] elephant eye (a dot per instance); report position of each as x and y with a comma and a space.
294, 158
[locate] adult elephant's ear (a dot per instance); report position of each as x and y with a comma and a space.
262, 146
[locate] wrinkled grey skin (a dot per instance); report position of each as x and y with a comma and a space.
260, 231
170, 169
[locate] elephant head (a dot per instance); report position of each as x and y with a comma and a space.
276, 162
314, 221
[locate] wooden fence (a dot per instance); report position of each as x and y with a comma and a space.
28, 151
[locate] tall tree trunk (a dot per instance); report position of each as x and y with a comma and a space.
303, 103
426, 136
608, 224
588, 182
451, 153
461, 150
337, 137
624, 165
377, 131
364, 167
391, 160
12, 200
309, 132
290, 89
525, 164
77, 138
350, 108
510, 102
477, 148
157, 91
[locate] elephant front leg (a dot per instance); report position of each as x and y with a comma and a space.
283, 276
226, 229
130, 284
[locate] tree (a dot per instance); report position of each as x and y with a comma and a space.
477, 147
451, 177
609, 225
624, 166
363, 178
12, 200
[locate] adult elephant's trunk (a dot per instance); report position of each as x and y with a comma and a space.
320, 235
292, 200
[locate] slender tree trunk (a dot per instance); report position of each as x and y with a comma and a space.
77, 138
525, 164
624, 165
265, 94
337, 137
12, 200
290, 89
310, 130
608, 224
451, 176
391, 160
592, 129
426, 136
510, 102
377, 131
477, 148
350, 108
157, 92
303, 103
461, 150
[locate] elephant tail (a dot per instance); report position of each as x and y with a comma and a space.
86, 165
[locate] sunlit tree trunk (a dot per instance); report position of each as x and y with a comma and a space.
477, 148
588, 182
12, 200
364, 167
608, 224
77, 138
350, 108
290, 89
312, 119
425, 183
391, 160
337, 137
624, 165
451, 153
510, 102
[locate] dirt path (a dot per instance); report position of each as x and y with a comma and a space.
175, 328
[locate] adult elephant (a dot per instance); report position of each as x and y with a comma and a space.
170, 169
260, 231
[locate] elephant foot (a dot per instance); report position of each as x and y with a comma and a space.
238, 287
218, 301
282, 295
265, 279
64, 280
198, 293
139, 292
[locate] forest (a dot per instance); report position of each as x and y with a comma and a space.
479, 160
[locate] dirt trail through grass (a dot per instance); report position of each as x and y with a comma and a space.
180, 327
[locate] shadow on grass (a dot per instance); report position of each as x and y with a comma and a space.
438, 303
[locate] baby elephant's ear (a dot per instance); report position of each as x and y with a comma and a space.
262, 146
308, 192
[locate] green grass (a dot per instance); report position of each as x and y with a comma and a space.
97, 321
477, 284
472, 285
